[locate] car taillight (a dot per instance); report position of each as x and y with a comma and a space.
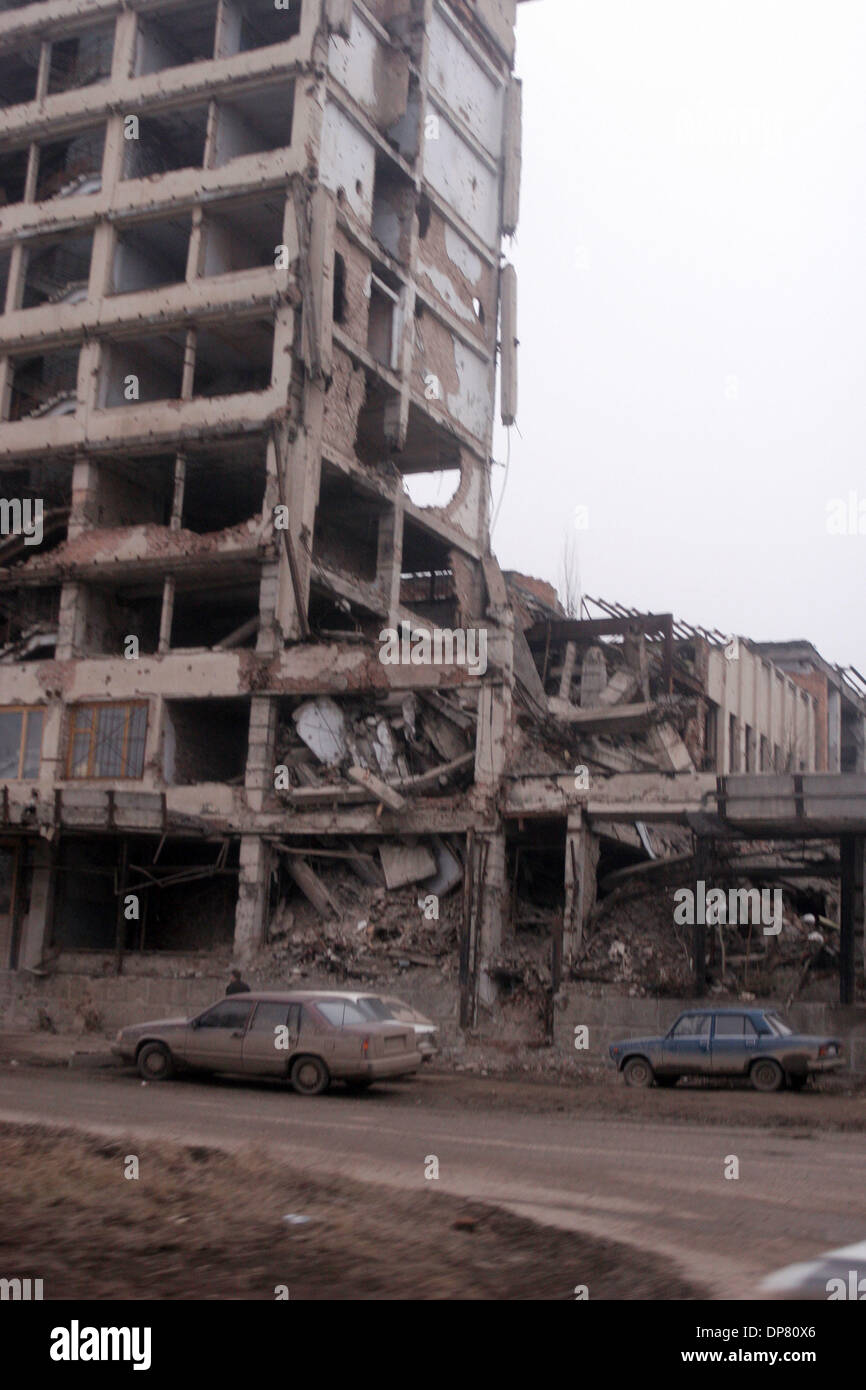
828, 1050
365, 1047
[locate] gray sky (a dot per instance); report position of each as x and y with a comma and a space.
692, 311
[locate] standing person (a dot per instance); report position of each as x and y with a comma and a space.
236, 985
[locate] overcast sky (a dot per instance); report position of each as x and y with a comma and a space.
692, 311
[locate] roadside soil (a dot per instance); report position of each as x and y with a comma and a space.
199, 1223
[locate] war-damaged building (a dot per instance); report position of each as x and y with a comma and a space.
253, 290
265, 693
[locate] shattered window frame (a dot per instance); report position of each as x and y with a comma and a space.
29, 742
106, 741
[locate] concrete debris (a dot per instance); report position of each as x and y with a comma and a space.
403, 864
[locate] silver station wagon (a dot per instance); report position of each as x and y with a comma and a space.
307, 1037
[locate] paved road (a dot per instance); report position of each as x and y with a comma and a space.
660, 1186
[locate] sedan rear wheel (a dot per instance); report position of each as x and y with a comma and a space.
309, 1076
767, 1075
638, 1072
155, 1062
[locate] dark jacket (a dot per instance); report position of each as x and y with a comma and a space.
237, 987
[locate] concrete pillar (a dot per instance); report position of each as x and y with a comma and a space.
261, 754
36, 923
251, 909
834, 730
851, 913
581, 858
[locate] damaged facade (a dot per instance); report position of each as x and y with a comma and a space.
253, 294
259, 694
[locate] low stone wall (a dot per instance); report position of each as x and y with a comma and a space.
81, 996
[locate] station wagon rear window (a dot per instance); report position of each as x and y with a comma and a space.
340, 1011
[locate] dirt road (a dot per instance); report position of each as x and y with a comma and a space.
655, 1183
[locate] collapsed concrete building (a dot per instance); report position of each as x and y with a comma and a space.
262, 681
252, 284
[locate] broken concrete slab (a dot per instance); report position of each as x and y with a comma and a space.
403, 864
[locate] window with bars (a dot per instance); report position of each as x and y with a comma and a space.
107, 740
20, 742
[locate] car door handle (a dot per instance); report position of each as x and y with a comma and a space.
238, 1033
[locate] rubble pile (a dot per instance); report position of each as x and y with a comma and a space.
373, 933
408, 742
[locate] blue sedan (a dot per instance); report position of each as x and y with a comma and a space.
752, 1043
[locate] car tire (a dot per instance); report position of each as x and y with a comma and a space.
667, 1081
638, 1072
155, 1062
766, 1075
309, 1076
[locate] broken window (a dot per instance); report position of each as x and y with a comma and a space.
20, 742
13, 175
57, 271
46, 384
142, 369
242, 234
234, 358
382, 331
107, 740
206, 614
427, 577
536, 864
254, 122
19, 69
224, 486
126, 491
28, 622
186, 891
169, 39
263, 24
5, 258
346, 532
173, 141
393, 208
81, 60
71, 166
339, 305
205, 741
110, 613
150, 254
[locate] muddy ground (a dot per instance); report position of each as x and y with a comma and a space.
199, 1223
833, 1104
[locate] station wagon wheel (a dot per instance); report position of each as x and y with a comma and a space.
767, 1075
155, 1062
309, 1076
638, 1072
